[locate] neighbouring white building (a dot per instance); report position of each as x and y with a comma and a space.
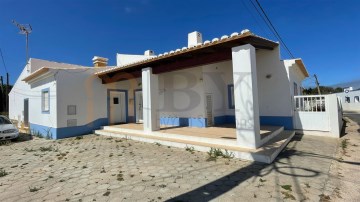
236, 80
350, 99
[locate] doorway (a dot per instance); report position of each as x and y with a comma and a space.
138, 106
118, 107
26, 112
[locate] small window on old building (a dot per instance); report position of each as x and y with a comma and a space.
347, 99
356, 99
116, 100
45, 100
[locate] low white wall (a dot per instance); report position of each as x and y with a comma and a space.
314, 118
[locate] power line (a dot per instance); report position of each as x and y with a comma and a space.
2, 57
271, 26
257, 22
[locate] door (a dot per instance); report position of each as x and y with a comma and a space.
117, 107
138, 106
209, 110
26, 112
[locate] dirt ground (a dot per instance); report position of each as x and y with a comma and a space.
344, 181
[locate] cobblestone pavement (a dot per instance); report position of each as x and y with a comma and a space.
97, 168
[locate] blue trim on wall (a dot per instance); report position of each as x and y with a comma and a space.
180, 121
135, 103
126, 103
43, 130
286, 121
80, 130
42, 104
226, 119
231, 105
59, 133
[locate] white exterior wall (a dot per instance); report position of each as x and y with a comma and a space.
22, 90
36, 115
18, 93
274, 92
84, 90
295, 76
124, 59
182, 94
216, 78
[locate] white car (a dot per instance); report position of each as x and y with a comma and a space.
8, 130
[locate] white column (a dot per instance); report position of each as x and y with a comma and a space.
246, 96
150, 90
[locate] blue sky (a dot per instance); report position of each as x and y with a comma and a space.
324, 33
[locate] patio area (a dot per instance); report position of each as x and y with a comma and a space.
203, 139
225, 131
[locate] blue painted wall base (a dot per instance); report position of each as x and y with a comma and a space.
286, 121
59, 133
179, 121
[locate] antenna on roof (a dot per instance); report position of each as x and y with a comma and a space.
24, 29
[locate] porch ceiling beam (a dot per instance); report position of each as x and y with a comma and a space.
197, 60
119, 76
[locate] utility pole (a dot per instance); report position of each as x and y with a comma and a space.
317, 84
7, 93
2, 93
25, 29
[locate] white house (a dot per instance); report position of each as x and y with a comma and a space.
238, 80
350, 99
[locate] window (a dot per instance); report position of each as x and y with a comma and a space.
45, 100
4, 120
347, 99
231, 98
71, 110
356, 99
296, 89
116, 100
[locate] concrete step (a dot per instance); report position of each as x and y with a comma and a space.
267, 153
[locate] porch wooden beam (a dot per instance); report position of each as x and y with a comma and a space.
197, 60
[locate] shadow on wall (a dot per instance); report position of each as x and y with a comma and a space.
282, 165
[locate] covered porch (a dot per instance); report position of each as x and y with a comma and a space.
245, 135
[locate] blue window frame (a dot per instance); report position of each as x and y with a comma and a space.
231, 98
45, 101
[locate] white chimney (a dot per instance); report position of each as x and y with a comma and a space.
194, 38
99, 61
149, 53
